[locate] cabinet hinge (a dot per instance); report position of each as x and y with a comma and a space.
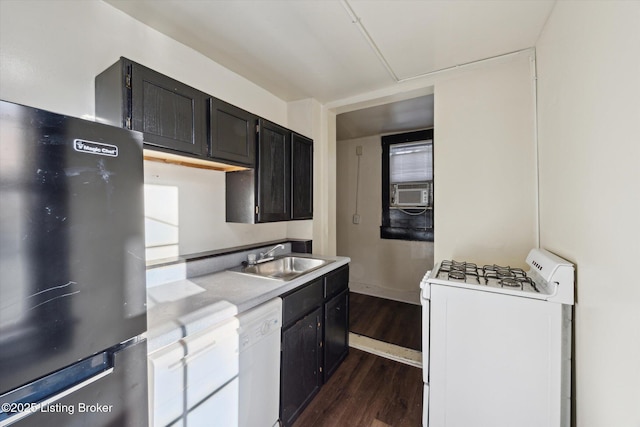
320, 368
127, 81
127, 122
257, 128
257, 210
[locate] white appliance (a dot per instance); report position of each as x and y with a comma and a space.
194, 381
260, 365
410, 194
497, 343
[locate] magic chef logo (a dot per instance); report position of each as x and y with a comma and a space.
95, 148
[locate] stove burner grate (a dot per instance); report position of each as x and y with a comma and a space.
506, 277
457, 270
510, 282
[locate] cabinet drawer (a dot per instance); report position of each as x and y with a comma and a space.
301, 301
336, 281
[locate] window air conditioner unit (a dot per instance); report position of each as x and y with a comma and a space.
410, 195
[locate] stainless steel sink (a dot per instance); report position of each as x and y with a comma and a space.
285, 268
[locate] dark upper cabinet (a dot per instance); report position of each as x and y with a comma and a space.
232, 133
280, 188
301, 177
170, 114
273, 172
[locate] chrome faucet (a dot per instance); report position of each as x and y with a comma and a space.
268, 255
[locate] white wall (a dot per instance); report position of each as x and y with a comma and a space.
201, 211
381, 267
485, 164
324, 200
50, 53
484, 175
589, 111
484, 157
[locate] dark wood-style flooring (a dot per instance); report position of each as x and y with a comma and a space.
386, 320
367, 391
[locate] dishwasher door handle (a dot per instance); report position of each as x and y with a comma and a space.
191, 356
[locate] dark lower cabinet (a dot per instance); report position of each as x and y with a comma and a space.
336, 332
315, 339
301, 361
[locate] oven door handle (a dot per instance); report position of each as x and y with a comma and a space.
425, 288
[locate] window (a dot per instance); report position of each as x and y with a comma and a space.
407, 186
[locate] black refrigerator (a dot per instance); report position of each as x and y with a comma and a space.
72, 272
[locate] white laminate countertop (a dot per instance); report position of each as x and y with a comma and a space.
183, 307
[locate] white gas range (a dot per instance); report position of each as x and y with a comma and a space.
496, 343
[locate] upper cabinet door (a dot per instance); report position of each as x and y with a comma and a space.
274, 172
169, 113
232, 133
301, 177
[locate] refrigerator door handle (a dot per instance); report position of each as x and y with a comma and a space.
52, 399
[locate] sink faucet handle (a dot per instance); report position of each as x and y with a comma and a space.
251, 259
270, 251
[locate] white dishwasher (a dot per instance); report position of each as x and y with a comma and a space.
260, 365
194, 381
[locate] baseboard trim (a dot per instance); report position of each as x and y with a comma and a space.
409, 297
386, 350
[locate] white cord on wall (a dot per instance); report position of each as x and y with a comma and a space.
534, 79
356, 216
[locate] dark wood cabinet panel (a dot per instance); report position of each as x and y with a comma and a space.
301, 301
336, 281
301, 377
301, 177
283, 174
274, 175
232, 133
336, 332
179, 120
240, 196
170, 114
307, 360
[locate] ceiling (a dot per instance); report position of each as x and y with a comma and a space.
334, 49
401, 116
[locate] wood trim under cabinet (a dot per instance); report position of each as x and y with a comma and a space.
164, 157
